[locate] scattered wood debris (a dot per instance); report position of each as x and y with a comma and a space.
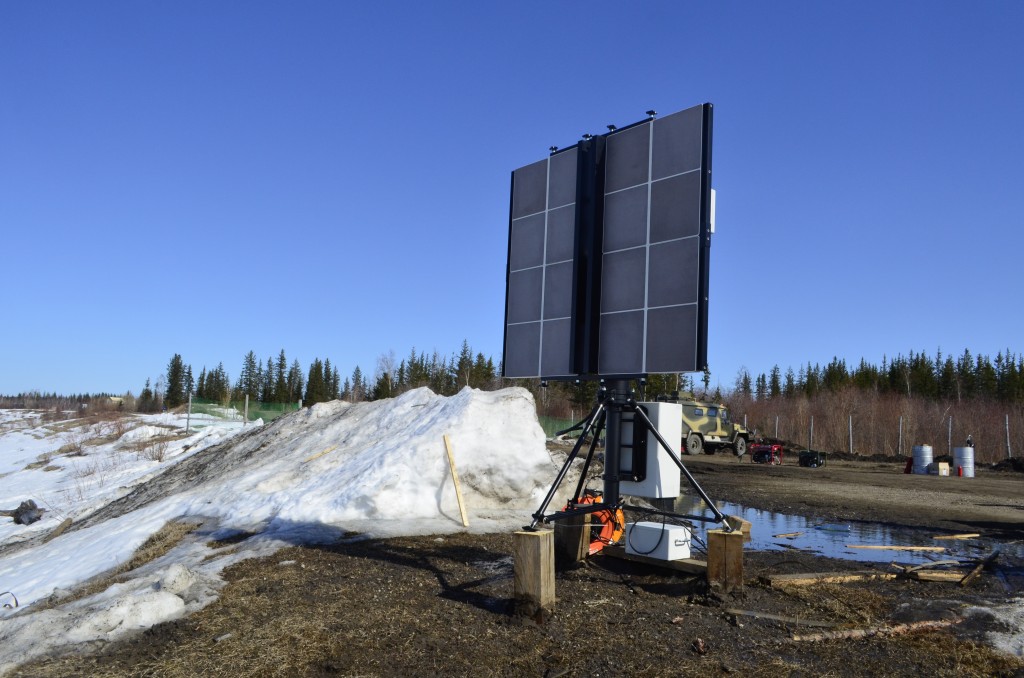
777, 617
969, 535
786, 535
810, 578
936, 575
985, 562
898, 630
880, 547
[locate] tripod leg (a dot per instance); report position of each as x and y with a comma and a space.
598, 428
539, 514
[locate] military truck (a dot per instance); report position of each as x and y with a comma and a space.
707, 428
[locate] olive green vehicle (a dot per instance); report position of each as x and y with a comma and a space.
707, 428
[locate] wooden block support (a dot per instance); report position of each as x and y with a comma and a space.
572, 540
725, 560
687, 565
533, 555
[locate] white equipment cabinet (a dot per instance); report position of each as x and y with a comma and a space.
662, 474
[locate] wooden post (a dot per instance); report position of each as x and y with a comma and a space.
572, 539
725, 560
533, 569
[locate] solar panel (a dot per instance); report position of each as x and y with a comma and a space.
541, 269
652, 269
608, 254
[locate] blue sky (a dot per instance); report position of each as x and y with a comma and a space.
331, 178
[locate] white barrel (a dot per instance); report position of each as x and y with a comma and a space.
922, 458
963, 462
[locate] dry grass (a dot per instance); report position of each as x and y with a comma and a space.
159, 543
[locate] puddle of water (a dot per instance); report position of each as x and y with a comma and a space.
833, 540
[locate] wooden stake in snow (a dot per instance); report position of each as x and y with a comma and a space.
320, 454
455, 478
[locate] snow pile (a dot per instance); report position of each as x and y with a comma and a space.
377, 468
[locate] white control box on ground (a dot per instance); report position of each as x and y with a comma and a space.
654, 540
663, 474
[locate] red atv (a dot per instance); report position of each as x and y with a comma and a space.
766, 453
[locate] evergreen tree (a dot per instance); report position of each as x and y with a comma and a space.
464, 367
249, 380
268, 382
175, 394
281, 394
146, 402
965, 374
328, 378
986, 383
775, 383
789, 388
762, 387
835, 376
316, 388
296, 382
357, 391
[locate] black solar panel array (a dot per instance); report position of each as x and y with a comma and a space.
608, 254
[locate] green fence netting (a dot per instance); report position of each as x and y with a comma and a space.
235, 409
553, 425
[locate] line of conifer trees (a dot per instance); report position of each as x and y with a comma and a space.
917, 374
278, 381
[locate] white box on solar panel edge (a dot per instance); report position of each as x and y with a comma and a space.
663, 476
655, 540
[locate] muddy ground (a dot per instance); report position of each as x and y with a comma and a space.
430, 606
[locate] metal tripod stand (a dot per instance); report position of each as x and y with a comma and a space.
612, 402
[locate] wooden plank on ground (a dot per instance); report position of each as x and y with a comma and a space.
810, 578
898, 630
880, 547
778, 617
688, 565
936, 575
